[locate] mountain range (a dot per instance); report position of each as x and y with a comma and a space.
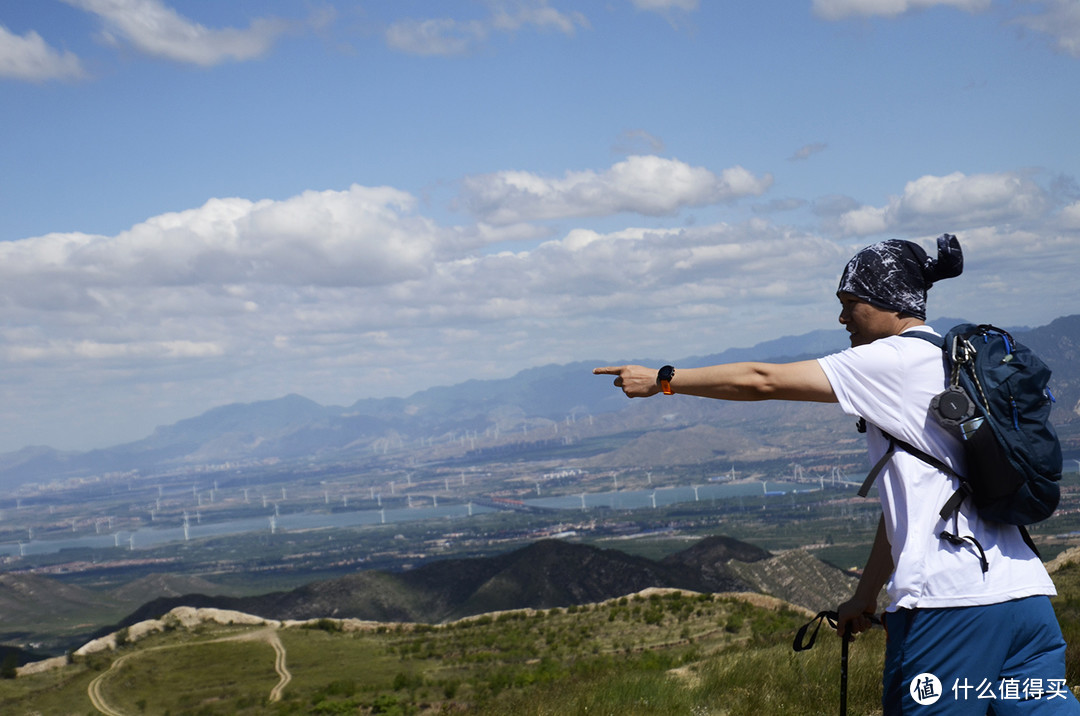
296, 428
542, 575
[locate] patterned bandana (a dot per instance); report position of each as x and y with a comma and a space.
896, 274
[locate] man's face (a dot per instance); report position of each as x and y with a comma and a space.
866, 323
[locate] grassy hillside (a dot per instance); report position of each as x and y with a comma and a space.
657, 652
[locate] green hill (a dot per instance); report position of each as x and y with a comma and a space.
657, 652
509, 662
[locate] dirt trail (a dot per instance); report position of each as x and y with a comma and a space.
268, 635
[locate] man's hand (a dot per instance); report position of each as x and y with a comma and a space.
854, 616
636, 381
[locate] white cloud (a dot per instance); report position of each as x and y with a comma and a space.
662, 5
338, 295
96, 350
226, 299
808, 150
156, 29
1061, 20
359, 237
28, 57
647, 185
512, 16
637, 141
951, 203
448, 37
435, 36
839, 9
1070, 216
1018, 277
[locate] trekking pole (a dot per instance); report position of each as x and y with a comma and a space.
843, 671
801, 643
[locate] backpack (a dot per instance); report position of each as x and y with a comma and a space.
998, 402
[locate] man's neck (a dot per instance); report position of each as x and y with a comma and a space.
908, 322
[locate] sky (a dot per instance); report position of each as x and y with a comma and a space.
204, 203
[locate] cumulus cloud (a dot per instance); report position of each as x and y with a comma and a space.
1061, 20
448, 37
839, 9
28, 57
647, 185
155, 29
949, 203
338, 295
356, 277
363, 236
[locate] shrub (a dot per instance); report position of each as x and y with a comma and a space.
9, 665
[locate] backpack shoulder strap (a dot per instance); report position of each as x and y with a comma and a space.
926, 457
896, 442
926, 336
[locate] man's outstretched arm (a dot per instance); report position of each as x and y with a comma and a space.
804, 380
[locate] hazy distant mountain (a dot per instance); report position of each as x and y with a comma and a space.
294, 427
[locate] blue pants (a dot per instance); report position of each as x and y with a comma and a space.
1005, 659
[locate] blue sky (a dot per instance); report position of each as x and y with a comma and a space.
213, 202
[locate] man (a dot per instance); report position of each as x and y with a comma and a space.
973, 613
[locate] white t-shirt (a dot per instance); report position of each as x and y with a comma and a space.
890, 383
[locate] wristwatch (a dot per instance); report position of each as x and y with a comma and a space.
663, 379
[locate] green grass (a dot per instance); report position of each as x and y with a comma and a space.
673, 653
626, 649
